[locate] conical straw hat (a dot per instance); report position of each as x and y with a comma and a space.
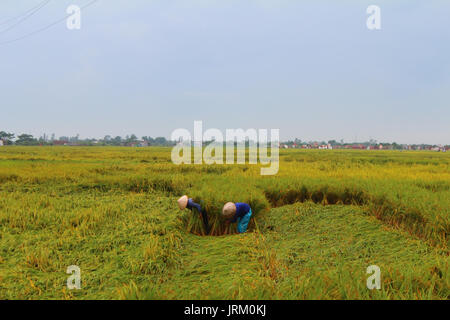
182, 202
229, 209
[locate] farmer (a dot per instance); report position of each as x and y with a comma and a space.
239, 212
185, 202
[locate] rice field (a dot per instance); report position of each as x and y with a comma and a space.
318, 224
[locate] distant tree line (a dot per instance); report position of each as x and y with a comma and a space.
24, 139
129, 140
298, 143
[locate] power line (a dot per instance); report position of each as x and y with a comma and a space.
46, 27
26, 17
20, 15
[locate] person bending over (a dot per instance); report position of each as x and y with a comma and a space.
239, 212
186, 202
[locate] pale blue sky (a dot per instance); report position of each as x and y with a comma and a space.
310, 68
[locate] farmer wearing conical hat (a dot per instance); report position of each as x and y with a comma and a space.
239, 212
186, 202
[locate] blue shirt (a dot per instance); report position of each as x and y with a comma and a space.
241, 210
191, 204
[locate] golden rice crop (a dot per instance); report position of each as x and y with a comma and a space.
113, 211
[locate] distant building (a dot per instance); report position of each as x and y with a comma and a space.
140, 143
439, 148
60, 142
143, 144
1, 143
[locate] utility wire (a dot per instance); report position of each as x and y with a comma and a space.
26, 17
46, 27
20, 15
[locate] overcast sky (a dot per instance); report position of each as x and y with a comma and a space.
309, 68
